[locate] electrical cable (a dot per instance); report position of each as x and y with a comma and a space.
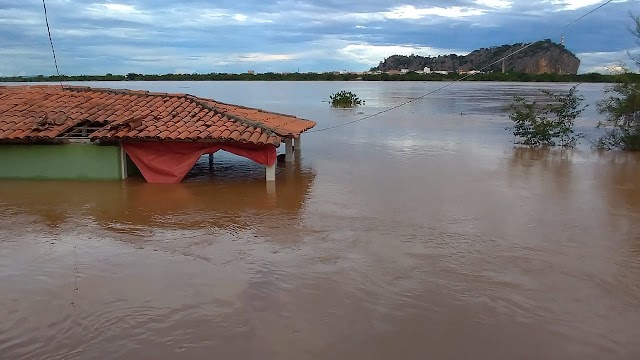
53, 50
451, 83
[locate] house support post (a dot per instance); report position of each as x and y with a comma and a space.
123, 163
271, 172
298, 144
288, 148
271, 190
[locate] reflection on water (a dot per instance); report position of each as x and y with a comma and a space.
224, 196
552, 164
419, 234
620, 173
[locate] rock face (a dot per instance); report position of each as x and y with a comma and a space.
539, 58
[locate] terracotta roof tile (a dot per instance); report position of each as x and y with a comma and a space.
225, 134
172, 128
153, 133
180, 124
133, 133
254, 137
121, 133
245, 136
183, 135
164, 134
46, 112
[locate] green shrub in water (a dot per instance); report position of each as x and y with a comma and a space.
622, 125
345, 99
548, 124
622, 107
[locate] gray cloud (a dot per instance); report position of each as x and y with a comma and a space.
160, 36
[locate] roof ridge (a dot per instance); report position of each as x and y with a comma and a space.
25, 87
266, 111
244, 121
107, 90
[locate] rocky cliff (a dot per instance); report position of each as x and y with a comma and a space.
539, 58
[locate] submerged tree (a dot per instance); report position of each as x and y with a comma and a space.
549, 124
622, 107
345, 99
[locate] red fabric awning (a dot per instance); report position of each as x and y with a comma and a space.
169, 162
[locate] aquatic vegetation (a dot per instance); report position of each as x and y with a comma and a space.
548, 124
622, 107
345, 99
622, 125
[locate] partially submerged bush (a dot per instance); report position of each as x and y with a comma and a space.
622, 125
622, 107
345, 99
548, 124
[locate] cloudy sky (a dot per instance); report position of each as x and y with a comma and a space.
186, 36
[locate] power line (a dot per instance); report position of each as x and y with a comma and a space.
53, 50
451, 83
588, 13
421, 96
581, 17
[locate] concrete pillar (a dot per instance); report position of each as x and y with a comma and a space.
288, 150
123, 163
271, 172
290, 171
299, 143
271, 190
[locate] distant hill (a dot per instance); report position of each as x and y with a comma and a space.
540, 58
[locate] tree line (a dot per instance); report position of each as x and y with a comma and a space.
270, 76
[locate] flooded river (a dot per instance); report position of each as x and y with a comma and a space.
418, 234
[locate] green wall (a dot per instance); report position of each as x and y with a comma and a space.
60, 161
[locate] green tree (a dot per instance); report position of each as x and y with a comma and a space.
345, 99
622, 107
549, 124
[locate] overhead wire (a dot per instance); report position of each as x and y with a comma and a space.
587, 14
55, 61
421, 96
453, 82
583, 16
53, 50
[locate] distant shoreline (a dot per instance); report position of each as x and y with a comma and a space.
411, 76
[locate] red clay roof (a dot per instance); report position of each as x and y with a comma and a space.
46, 112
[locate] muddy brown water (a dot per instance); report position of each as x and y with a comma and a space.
421, 234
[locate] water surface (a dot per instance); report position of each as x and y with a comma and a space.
421, 233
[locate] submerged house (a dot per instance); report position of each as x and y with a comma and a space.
54, 132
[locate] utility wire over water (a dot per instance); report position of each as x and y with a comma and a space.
380, 112
53, 50
453, 82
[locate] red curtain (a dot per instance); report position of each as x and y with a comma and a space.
169, 162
